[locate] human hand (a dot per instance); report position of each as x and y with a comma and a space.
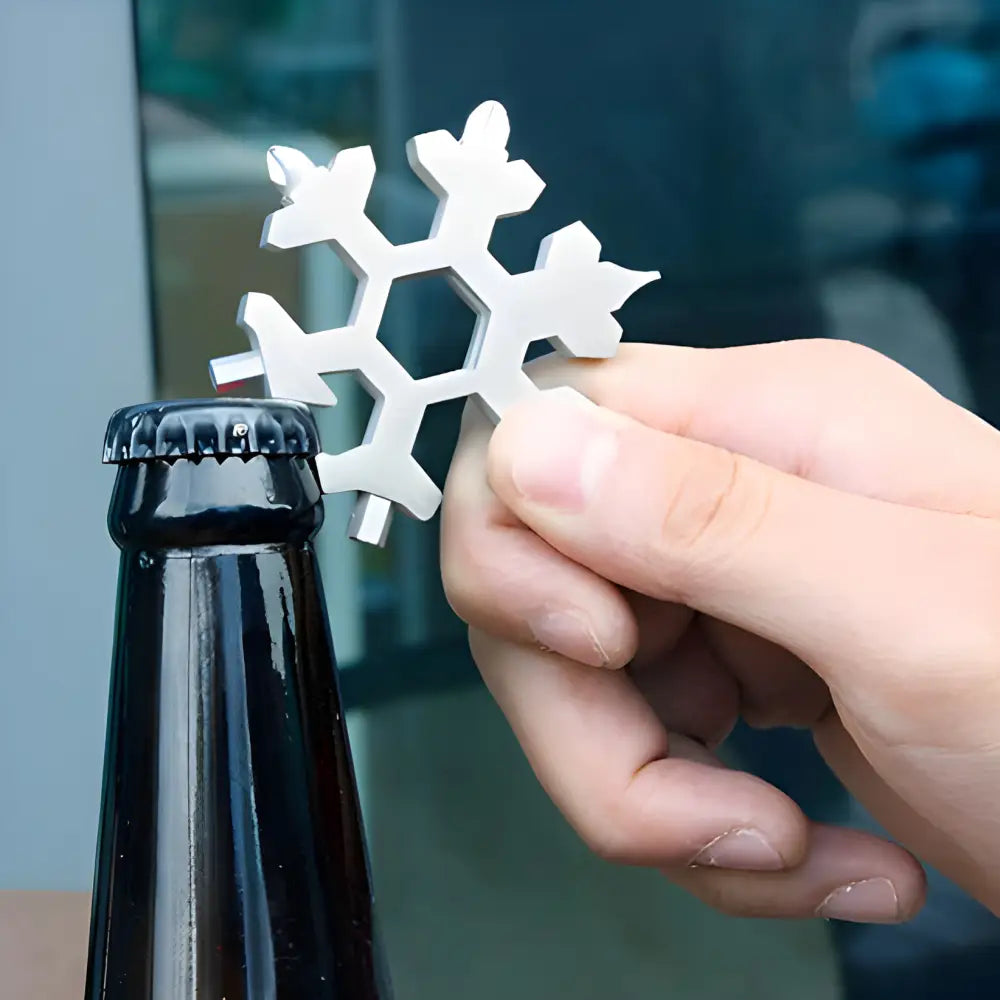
799, 534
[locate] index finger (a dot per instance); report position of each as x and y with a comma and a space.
504, 579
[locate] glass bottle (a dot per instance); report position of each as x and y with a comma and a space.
231, 861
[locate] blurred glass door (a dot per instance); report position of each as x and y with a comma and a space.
794, 169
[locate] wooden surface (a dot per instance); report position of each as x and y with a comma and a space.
43, 945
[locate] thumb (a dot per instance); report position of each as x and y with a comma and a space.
851, 585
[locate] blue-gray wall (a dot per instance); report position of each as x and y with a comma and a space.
74, 325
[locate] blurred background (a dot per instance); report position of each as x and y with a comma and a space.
795, 168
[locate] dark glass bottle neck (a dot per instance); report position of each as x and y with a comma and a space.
181, 504
231, 858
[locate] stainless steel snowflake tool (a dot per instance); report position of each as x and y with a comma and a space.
567, 300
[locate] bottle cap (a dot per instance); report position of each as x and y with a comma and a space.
218, 428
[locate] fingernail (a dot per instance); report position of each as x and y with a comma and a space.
570, 634
568, 453
744, 850
871, 901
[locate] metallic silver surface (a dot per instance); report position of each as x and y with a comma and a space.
567, 300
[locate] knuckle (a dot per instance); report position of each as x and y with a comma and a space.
610, 829
609, 838
485, 574
619, 828
720, 500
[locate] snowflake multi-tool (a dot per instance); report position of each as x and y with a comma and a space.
566, 300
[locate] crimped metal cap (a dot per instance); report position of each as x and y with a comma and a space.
201, 428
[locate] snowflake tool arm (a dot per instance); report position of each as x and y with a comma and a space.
568, 300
